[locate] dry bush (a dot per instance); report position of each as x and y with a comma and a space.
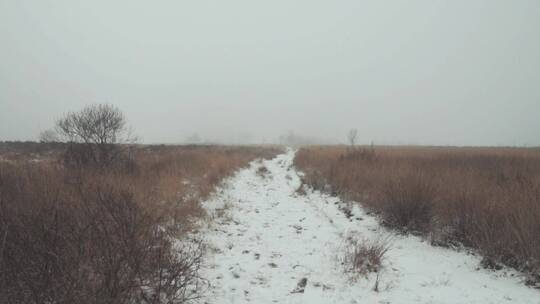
364, 256
94, 135
91, 242
484, 198
95, 236
262, 171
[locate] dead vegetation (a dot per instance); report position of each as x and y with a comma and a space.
364, 256
96, 136
263, 171
483, 198
69, 235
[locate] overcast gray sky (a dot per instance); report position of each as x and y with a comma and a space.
403, 72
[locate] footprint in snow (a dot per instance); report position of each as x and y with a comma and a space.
301, 286
297, 228
276, 255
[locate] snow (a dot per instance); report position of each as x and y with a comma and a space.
266, 242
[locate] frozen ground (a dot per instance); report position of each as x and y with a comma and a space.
267, 242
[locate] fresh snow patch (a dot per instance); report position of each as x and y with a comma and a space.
268, 244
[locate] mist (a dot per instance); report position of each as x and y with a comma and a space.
401, 72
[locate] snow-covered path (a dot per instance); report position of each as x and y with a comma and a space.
267, 241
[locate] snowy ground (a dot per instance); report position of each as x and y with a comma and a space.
267, 241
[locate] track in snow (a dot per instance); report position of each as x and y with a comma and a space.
267, 242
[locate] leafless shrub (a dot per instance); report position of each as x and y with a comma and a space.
263, 171
364, 256
173, 275
351, 137
94, 135
92, 243
48, 136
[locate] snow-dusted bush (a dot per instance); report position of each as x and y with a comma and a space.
362, 256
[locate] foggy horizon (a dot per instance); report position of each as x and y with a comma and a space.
460, 73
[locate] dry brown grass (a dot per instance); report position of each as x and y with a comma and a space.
89, 235
484, 198
364, 256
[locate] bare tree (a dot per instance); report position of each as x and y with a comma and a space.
194, 139
94, 134
353, 134
48, 136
